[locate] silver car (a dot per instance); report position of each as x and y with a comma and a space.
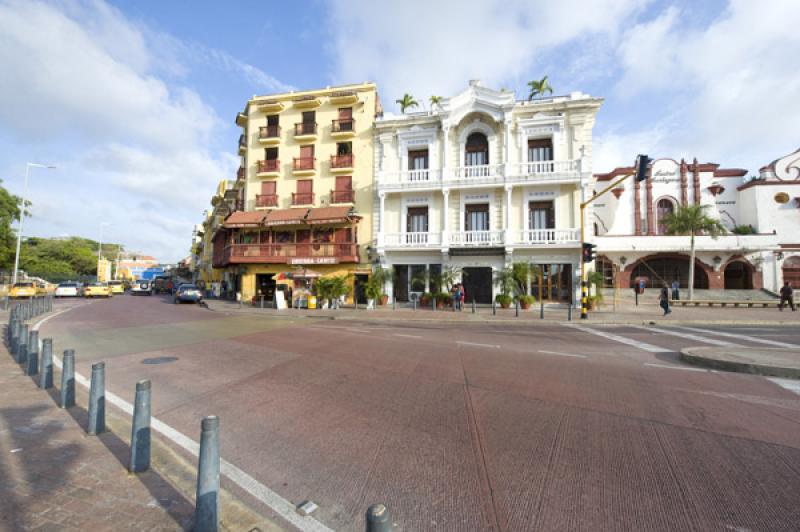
142, 286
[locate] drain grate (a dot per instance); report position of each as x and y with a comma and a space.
159, 360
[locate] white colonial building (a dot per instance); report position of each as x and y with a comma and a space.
480, 182
761, 216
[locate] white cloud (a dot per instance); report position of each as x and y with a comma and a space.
426, 48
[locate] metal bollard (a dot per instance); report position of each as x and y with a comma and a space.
32, 367
541, 309
379, 519
46, 371
68, 379
22, 344
516, 309
394, 304
206, 515
140, 432
97, 400
569, 312
433, 303
494, 308
415, 303
262, 301
473, 306
637, 297
13, 336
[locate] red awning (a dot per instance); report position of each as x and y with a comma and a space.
330, 215
244, 219
286, 217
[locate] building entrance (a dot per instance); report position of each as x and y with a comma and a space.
265, 286
477, 284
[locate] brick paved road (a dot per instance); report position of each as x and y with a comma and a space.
468, 427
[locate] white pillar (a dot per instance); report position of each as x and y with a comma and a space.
381, 216
445, 218
445, 151
507, 143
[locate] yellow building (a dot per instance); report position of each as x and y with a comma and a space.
304, 191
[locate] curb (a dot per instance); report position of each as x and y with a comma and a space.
690, 356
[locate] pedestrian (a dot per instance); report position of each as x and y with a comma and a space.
787, 296
676, 293
663, 299
224, 287
641, 286
454, 296
463, 297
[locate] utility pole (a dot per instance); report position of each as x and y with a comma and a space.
28, 167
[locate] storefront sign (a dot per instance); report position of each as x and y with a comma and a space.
313, 260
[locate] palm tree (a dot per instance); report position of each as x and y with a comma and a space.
436, 101
406, 102
539, 88
692, 220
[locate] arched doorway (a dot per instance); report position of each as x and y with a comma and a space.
738, 276
791, 271
664, 208
658, 269
476, 150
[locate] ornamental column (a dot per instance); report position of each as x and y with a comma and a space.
445, 218
696, 181
651, 227
637, 208
381, 224
507, 237
684, 185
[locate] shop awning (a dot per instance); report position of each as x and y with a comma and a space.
244, 219
285, 217
330, 215
300, 273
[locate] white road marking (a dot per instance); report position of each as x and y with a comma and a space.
358, 330
788, 384
407, 335
561, 354
491, 346
666, 366
742, 336
275, 502
688, 336
623, 340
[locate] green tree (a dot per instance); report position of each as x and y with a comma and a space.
692, 220
61, 259
436, 101
406, 102
9, 212
539, 88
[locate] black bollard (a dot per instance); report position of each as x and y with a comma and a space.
473, 306
68, 379
569, 312
32, 366
541, 309
46, 371
494, 308
379, 519
516, 309
140, 432
394, 304
13, 336
433, 303
22, 344
637, 297
97, 400
415, 303
206, 515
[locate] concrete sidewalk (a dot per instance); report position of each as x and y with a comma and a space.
775, 362
644, 313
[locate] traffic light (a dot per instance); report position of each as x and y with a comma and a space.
588, 252
642, 161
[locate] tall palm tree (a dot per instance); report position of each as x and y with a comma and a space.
539, 88
406, 102
436, 101
692, 220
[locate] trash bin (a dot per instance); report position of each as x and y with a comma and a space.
312, 302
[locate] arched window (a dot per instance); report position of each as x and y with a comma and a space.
476, 150
664, 208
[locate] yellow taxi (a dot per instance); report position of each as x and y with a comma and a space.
23, 289
97, 290
116, 287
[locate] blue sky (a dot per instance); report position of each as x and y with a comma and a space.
135, 101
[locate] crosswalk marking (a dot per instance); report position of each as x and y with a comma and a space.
473, 344
560, 354
667, 366
688, 336
623, 340
742, 336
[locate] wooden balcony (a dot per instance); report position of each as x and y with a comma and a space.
320, 253
269, 134
302, 198
342, 163
305, 130
342, 196
268, 168
343, 128
266, 200
304, 165
242, 144
240, 173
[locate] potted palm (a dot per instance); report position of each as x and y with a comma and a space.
340, 287
322, 289
525, 301
505, 280
425, 299
595, 280
442, 299
373, 290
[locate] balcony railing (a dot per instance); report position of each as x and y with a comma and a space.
548, 236
342, 161
302, 198
310, 253
344, 125
477, 172
266, 200
476, 238
412, 239
305, 128
341, 196
411, 178
242, 141
240, 173
304, 163
539, 169
269, 165
269, 132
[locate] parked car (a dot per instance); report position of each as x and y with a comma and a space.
162, 285
142, 286
97, 290
116, 287
23, 289
188, 292
68, 290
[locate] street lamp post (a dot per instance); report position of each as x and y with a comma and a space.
28, 167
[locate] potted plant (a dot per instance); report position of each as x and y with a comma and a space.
505, 280
373, 290
340, 287
504, 300
442, 299
380, 276
425, 299
322, 289
595, 299
525, 301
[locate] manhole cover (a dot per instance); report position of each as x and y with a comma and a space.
159, 360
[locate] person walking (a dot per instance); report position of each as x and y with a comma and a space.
663, 299
463, 297
676, 290
787, 296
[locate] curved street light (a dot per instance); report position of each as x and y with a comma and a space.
28, 167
